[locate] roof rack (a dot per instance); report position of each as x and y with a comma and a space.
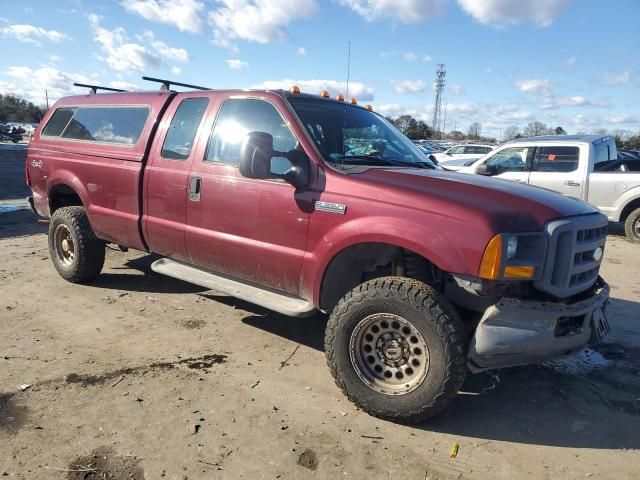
166, 84
95, 88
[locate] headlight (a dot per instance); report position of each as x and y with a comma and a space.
503, 260
512, 247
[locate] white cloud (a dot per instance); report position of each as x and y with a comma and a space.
501, 13
31, 83
260, 21
176, 70
54, 58
617, 78
571, 62
32, 34
124, 85
183, 14
122, 55
456, 89
619, 118
165, 51
409, 86
552, 103
235, 64
535, 86
415, 57
302, 52
358, 90
403, 11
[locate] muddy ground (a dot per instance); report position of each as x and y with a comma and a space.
141, 376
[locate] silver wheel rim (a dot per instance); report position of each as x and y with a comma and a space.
636, 227
63, 242
389, 354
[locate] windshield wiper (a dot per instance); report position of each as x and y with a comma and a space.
378, 160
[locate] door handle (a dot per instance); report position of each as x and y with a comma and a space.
195, 185
572, 183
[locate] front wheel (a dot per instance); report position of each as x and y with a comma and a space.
76, 252
396, 348
632, 226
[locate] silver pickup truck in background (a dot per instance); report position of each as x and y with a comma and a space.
582, 166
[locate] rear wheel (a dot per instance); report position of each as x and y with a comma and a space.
396, 348
77, 254
632, 226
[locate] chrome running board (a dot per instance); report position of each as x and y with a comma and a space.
278, 302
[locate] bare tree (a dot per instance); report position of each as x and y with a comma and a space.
535, 128
510, 133
474, 130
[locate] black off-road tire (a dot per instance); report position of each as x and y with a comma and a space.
89, 251
428, 312
631, 226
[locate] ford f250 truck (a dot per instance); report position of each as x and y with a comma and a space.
303, 203
583, 166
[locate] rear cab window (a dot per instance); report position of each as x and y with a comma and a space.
556, 159
117, 124
183, 128
605, 153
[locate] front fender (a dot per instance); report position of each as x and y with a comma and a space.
453, 250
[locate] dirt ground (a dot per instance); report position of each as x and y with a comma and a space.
141, 376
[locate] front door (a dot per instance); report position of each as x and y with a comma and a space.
255, 230
510, 164
167, 174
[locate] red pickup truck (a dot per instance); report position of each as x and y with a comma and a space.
303, 203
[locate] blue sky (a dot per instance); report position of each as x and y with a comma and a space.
573, 63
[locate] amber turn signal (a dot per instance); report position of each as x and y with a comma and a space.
521, 272
491, 260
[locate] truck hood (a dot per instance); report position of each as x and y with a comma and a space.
505, 205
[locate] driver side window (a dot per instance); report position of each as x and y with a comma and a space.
238, 117
508, 160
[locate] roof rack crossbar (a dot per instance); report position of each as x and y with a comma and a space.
166, 84
95, 88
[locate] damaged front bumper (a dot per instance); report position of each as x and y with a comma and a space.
521, 332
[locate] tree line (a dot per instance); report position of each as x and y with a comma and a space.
15, 109
419, 130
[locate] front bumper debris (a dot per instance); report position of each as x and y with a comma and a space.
521, 332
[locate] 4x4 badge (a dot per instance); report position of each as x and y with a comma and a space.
331, 207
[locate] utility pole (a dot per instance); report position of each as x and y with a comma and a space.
437, 104
348, 67
444, 121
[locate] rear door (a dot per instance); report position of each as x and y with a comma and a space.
167, 176
561, 168
255, 230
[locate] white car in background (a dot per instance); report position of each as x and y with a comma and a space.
461, 152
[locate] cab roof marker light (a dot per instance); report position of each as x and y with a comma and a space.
324, 94
369, 107
353, 101
294, 90
340, 98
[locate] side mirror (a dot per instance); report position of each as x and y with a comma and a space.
484, 169
256, 152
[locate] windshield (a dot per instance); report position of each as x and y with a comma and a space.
348, 135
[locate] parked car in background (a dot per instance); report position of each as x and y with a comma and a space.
462, 152
588, 167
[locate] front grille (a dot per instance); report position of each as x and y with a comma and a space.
573, 255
